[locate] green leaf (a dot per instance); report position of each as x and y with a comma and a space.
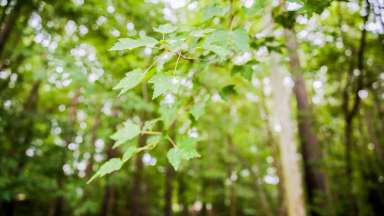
221, 42
108, 167
154, 140
257, 7
240, 39
218, 50
148, 125
201, 32
227, 91
213, 11
165, 29
162, 84
188, 146
185, 150
197, 111
218, 38
131, 80
245, 71
176, 43
128, 132
128, 43
131, 150
168, 115
175, 156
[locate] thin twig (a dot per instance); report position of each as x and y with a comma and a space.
177, 62
150, 66
171, 141
151, 132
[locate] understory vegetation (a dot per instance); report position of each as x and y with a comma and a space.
192, 107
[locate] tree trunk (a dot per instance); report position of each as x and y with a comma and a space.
137, 208
281, 112
21, 139
59, 202
7, 208
350, 113
182, 194
310, 147
281, 210
105, 206
9, 23
232, 190
169, 173
107, 202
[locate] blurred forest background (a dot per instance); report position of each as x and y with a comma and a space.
230, 107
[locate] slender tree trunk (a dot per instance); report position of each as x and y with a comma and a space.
95, 127
373, 135
105, 206
138, 194
232, 190
281, 210
169, 173
21, 137
8, 208
232, 201
59, 202
5, 11
282, 122
310, 147
9, 23
182, 194
350, 113
107, 203
137, 208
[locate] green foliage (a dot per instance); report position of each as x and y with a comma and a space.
168, 115
129, 152
57, 104
245, 71
128, 43
129, 131
183, 151
149, 125
131, 80
222, 41
197, 111
213, 11
108, 167
154, 140
162, 84
228, 91
165, 29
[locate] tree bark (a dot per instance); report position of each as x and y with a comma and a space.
350, 113
137, 208
169, 173
9, 23
59, 202
281, 210
105, 206
310, 147
232, 190
282, 122
109, 194
182, 194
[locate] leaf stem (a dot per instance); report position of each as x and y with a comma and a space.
150, 66
171, 141
151, 132
177, 62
